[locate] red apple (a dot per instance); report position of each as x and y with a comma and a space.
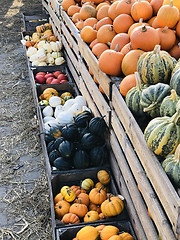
57, 73
49, 80
62, 77
40, 79
63, 81
55, 81
49, 75
41, 73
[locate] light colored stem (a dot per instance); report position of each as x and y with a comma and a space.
174, 96
138, 81
177, 153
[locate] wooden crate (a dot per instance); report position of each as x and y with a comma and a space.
55, 5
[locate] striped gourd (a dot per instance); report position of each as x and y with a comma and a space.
162, 134
177, 67
155, 66
175, 81
133, 97
171, 166
152, 98
168, 105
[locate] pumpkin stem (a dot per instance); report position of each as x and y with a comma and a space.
144, 28
174, 96
140, 20
171, 3
179, 44
109, 197
101, 188
111, 28
177, 153
138, 81
116, 48
128, 1
157, 49
151, 107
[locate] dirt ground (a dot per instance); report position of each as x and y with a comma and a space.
24, 196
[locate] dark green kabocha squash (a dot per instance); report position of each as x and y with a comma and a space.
152, 98
81, 159
50, 146
57, 142
53, 155
97, 126
66, 148
62, 163
70, 132
82, 119
98, 156
89, 141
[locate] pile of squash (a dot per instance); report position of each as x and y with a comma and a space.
103, 232
43, 48
119, 32
87, 202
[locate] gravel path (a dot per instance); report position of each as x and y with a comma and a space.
24, 196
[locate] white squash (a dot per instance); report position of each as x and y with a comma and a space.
41, 44
47, 47
42, 64
59, 60
55, 101
48, 118
49, 55
48, 124
58, 109
50, 60
35, 63
57, 54
33, 58
31, 51
80, 100
47, 111
64, 117
56, 46
68, 104
75, 109
41, 55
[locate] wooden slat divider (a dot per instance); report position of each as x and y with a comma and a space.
55, 18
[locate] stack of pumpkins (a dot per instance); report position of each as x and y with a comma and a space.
86, 203
120, 32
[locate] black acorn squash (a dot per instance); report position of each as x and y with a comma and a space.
97, 126
82, 119
62, 163
66, 148
50, 146
53, 155
81, 159
70, 132
89, 141
57, 142
55, 130
98, 156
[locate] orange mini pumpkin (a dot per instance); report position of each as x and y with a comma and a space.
97, 196
103, 12
73, 9
121, 39
112, 13
127, 83
58, 198
141, 9
178, 29
94, 207
79, 209
112, 206
84, 198
67, 3
167, 38
61, 208
100, 227
175, 51
99, 48
127, 48
156, 5
104, 21
47, 93
77, 189
106, 33
104, 177
87, 233
91, 216
88, 34
137, 24
122, 23
70, 218
108, 232
124, 6
87, 11
90, 22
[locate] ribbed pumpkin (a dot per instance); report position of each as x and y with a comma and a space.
113, 206
91, 216
79, 209
133, 97
48, 93
87, 184
162, 134
77, 189
141, 9
168, 15
121, 39
167, 38
70, 218
168, 105
175, 81
110, 62
144, 38
104, 177
61, 208
97, 196
130, 60
83, 118
108, 232
58, 198
155, 66
106, 33
97, 126
176, 3
84, 198
122, 23
171, 166
137, 24
94, 207
88, 233
152, 98
55, 131
89, 141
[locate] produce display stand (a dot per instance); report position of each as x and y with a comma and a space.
136, 170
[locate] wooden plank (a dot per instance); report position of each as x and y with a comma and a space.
55, 18
55, 30
92, 62
45, 4
95, 92
70, 39
128, 201
161, 183
55, 6
70, 53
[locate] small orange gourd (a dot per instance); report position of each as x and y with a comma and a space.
127, 83
121, 39
94, 207
61, 208
84, 199
97, 196
178, 29
100, 227
77, 189
122, 23
79, 209
127, 48
106, 33
70, 218
104, 177
88, 34
141, 9
137, 24
91, 216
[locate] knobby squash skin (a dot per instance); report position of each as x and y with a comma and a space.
155, 66
175, 81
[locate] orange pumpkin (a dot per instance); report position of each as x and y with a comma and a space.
87, 11
178, 29
88, 34
103, 12
77, 189
112, 13
145, 38
150, 21
121, 39
84, 197
104, 21
91, 216
75, 17
108, 232
79, 24
101, 216
138, 24
90, 22
110, 62
97, 196
127, 48
155, 23
175, 51
113, 206
156, 5
104, 177
61, 208
79, 209
70, 218
130, 60
93, 43
124, 6
58, 198
73, 9
141, 9
94, 207
175, 2
99, 185
127, 83
99, 48
67, 3
102, 4
124, 236
87, 233
168, 15
100, 227
106, 33
167, 38
122, 23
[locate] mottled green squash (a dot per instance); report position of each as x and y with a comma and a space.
152, 98
175, 81
171, 166
155, 66
168, 105
133, 97
162, 134
177, 67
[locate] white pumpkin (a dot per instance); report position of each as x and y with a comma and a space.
47, 111
35, 63
48, 124
59, 60
64, 117
80, 100
41, 44
55, 101
68, 104
57, 54
75, 108
42, 64
50, 60
31, 51
58, 109
41, 55
48, 118
56, 46
33, 58
47, 47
